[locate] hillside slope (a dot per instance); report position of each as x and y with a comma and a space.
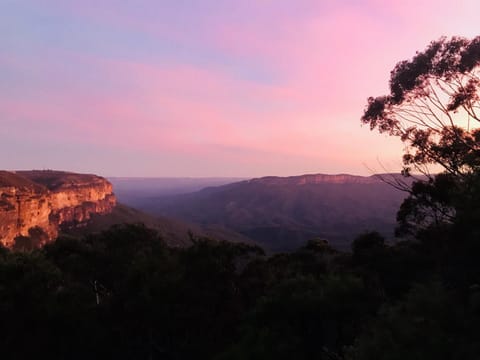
282, 213
174, 232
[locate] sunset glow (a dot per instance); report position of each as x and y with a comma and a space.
206, 88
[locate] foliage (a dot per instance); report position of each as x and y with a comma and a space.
304, 318
433, 97
433, 107
430, 323
124, 294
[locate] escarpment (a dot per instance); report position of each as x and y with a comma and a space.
36, 205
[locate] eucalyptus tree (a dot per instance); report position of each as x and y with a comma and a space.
434, 108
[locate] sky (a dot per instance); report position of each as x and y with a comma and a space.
207, 88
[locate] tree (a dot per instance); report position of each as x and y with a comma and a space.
434, 108
429, 323
304, 317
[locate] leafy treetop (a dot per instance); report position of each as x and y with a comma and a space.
433, 106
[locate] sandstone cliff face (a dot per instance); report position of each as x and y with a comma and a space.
37, 204
317, 179
310, 179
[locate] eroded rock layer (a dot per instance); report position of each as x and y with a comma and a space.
35, 205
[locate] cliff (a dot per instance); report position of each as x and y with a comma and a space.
35, 205
318, 179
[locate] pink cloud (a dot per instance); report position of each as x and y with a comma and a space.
324, 61
188, 110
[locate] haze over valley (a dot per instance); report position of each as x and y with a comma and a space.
277, 213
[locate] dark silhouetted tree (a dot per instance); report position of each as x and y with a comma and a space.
434, 108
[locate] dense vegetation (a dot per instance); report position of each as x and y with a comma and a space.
124, 294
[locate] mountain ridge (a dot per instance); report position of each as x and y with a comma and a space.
282, 213
317, 179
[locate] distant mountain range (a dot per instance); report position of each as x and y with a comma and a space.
277, 213
282, 213
134, 190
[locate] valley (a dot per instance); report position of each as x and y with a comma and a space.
283, 213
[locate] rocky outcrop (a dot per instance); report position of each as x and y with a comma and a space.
36, 205
325, 179
314, 179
